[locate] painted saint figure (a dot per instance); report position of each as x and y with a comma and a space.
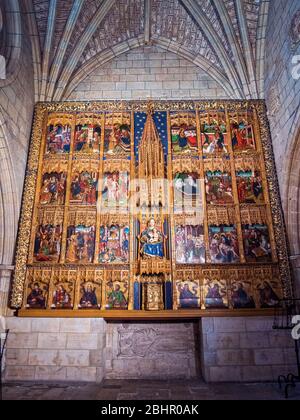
187, 189
268, 298
242, 137
218, 186
53, 189
88, 298
241, 299
224, 247
87, 139
36, 298
115, 189
61, 298
80, 244
214, 136
257, 243
214, 143
116, 298
214, 297
118, 140
47, 243
114, 244
190, 245
58, 139
188, 298
152, 241
84, 189
250, 189
184, 139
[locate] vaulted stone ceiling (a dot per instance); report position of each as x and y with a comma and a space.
223, 37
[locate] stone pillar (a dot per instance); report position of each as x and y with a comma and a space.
5, 278
295, 260
3, 337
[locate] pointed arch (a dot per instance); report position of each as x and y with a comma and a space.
47, 46
260, 46
78, 50
248, 52
62, 48
291, 192
35, 47
234, 43
167, 45
203, 22
9, 203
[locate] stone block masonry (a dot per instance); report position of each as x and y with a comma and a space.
282, 94
152, 351
90, 350
148, 73
282, 90
245, 349
55, 349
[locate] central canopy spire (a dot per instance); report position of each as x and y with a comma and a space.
151, 168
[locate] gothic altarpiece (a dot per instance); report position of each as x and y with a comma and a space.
163, 206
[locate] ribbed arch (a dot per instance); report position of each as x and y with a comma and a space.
124, 47
8, 199
218, 35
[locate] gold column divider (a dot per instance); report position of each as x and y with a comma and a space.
68, 193
170, 207
202, 175
103, 290
77, 288
25, 291
36, 207
131, 208
140, 218
100, 184
51, 288
265, 186
235, 190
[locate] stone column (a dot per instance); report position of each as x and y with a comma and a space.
295, 261
5, 278
3, 337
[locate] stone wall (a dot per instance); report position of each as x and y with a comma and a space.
245, 349
55, 350
16, 112
148, 72
282, 90
219, 349
282, 93
151, 351
90, 349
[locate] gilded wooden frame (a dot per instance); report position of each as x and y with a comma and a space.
273, 202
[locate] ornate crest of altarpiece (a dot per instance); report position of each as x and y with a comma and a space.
150, 210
